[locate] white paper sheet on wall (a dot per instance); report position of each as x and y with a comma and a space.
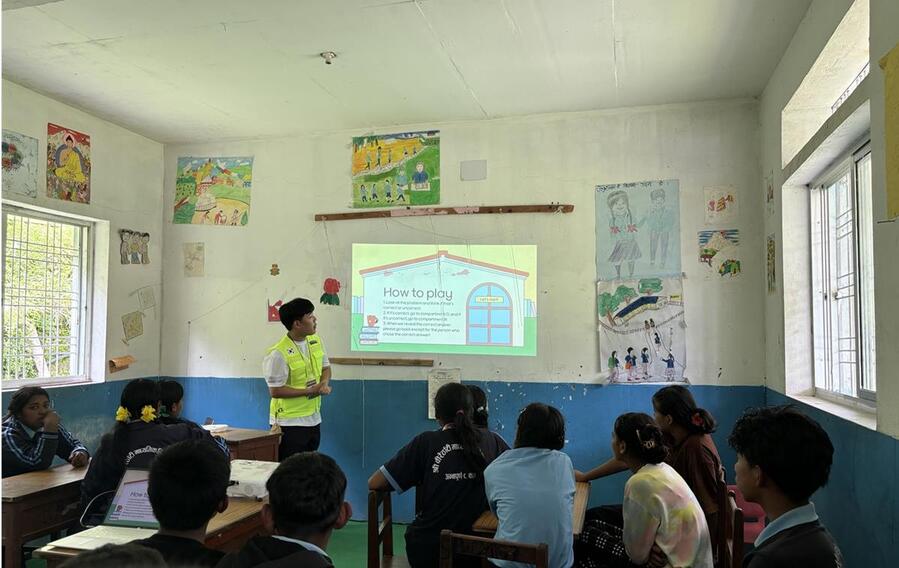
436, 379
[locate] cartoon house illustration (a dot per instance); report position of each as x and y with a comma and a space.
463, 302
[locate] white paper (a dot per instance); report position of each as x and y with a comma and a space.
436, 379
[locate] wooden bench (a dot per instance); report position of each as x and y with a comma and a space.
452, 544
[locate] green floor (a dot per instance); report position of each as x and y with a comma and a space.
348, 546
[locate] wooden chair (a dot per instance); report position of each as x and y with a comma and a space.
380, 530
729, 548
452, 544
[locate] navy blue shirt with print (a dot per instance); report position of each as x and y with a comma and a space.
450, 490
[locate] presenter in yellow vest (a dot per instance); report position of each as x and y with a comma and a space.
297, 372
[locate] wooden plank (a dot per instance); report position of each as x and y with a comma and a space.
462, 210
382, 362
28, 484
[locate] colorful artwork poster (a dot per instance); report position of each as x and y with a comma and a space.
720, 205
719, 252
772, 265
395, 170
638, 230
68, 164
19, 164
194, 259
213, 191
465, 299
642, 330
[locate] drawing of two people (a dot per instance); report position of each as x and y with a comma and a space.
623, 229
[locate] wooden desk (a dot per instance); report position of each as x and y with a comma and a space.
487, 522
245, 444
227, 531
36, 504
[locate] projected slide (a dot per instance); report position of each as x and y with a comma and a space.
469, 299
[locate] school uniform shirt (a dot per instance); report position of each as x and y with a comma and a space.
659, 508
276, 373
450, 491
696, 459
277, 552
795, 539
180, 551
531, 490
25, 450
144, 441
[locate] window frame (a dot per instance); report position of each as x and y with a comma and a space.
847, 163
86, 298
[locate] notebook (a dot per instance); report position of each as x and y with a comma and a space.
129, 517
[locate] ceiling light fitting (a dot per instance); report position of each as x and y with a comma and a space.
328, 56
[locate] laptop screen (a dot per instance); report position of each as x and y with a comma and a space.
130, 506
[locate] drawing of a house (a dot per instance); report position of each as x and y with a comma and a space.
481, 303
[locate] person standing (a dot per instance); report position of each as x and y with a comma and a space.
297, 372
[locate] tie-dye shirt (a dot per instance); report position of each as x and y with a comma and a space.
659, 508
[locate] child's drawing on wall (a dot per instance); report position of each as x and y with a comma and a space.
396, 168
622, 229
637, 230
613, 366
660, 224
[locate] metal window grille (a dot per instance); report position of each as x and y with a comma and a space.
45, 293
842, 281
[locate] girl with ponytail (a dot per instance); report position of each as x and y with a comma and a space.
693, 453
661, 516
133, 442
446, 467
495, 444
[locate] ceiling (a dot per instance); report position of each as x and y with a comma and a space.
202, 70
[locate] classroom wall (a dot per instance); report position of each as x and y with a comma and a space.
860, 503
789, 220
216, 325
126, 190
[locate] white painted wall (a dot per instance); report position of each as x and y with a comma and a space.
884, 36
126, 190
216, 325
789, 339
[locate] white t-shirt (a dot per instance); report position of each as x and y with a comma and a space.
276, 372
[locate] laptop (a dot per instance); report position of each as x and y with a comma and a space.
129, 517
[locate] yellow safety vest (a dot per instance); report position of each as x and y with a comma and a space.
304, 373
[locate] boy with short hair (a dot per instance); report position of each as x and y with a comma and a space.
783, 456
306, 503
187, 487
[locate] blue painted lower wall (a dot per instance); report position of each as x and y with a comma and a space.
365, 422
860, 503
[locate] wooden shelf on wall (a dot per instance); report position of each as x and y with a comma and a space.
381, 361
428, 211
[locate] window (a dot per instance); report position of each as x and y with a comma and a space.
46, 289
843, 280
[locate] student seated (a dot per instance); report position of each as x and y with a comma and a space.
659, 509
187, 486
783, 456
531, 487
480, 417
446, 467
33, 436
133, 442
692, 454
306, 503
171, 401
116, 556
